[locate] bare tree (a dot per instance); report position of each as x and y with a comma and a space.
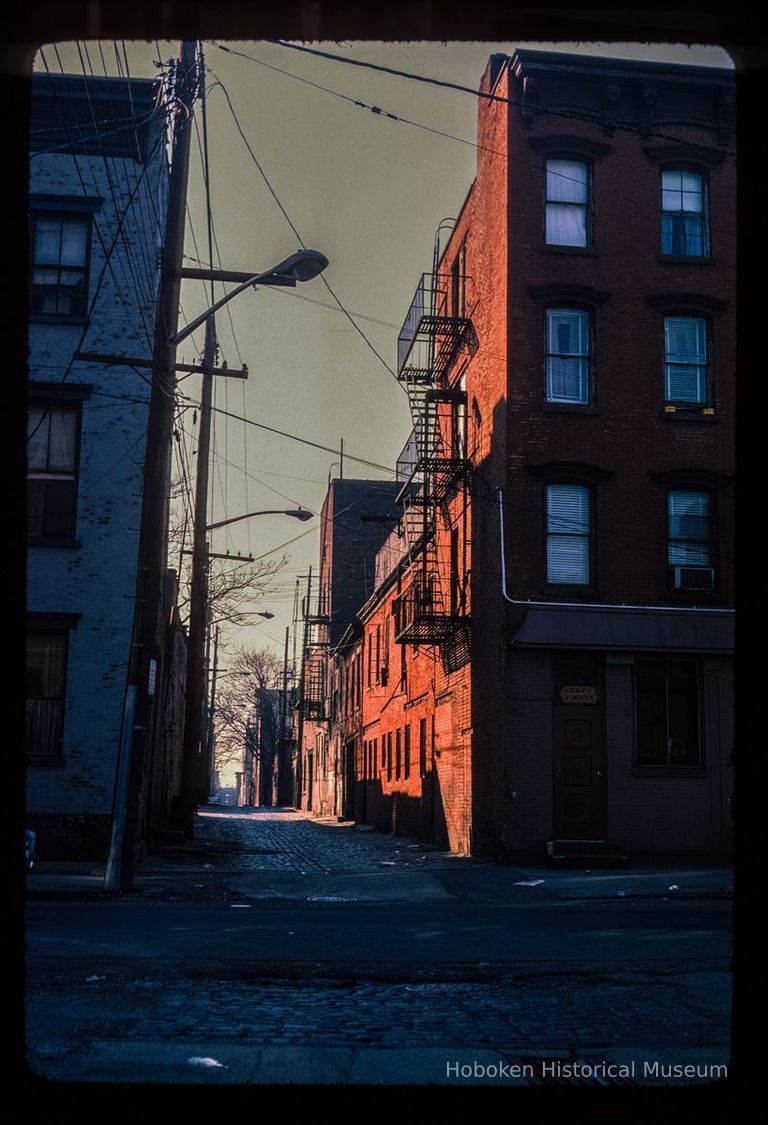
250, 690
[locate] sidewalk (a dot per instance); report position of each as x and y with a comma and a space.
282, 855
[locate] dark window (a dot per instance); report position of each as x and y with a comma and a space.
458, 282
684, 216
459, 423
686, 366
567, 203
407, 751
568, 534
389, 755
384, 674
398, 753
59, 279
568, 359
46, 688
52, 448
690, 528
455, 593
667, 713
375, 756
422, 747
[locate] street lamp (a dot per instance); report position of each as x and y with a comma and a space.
301, 266
297, 513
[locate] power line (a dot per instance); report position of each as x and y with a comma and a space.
108, 252
626, 125
290, 222
127, 258
303, 297
303, 441
520, 160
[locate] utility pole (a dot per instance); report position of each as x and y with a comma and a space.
206, 763
282, 751
144, 661
195, 697
302, 674
195, 762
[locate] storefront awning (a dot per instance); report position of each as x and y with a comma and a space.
627, 629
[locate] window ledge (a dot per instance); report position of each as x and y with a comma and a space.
68, 544
55, 762
569, 408
584, 251
685, 414
685, 259
668, 771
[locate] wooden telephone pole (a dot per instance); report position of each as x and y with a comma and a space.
144, 664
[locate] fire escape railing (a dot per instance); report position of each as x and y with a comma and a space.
433, 463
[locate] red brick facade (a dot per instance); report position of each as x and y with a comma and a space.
585, 695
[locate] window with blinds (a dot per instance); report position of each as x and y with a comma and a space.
568, 356
690, 528
567, 203
568, 534
685, 360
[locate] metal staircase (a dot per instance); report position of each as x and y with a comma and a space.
432, 465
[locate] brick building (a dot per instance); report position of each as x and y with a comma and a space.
355, 518
546, 657
97, 197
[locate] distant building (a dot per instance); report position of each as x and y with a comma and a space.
570, 364
97, 199
355, 519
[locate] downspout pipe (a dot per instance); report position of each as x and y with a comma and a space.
584, 605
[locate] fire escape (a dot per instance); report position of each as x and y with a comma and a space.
315, 663
433, 464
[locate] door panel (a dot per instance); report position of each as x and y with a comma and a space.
578, 760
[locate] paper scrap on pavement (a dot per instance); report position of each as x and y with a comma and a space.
529, 883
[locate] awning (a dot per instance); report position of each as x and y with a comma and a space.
627, 629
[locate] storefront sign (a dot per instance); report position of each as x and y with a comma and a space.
577, 694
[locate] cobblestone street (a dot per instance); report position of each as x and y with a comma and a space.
446, 959
285, 840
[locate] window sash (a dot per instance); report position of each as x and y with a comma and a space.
667, 719
685, 359
568, 534
46, 688
59, 265
689, 528
683, 221
568, 356
567, 203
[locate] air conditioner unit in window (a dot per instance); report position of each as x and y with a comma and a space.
693, 578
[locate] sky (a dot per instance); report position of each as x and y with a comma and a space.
366, 190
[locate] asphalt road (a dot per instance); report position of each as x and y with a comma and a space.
568, 932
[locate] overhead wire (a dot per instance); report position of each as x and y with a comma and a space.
519, 159
618, 124
293, 227
126, 259
107, 264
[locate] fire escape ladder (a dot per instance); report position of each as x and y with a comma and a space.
434, 336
